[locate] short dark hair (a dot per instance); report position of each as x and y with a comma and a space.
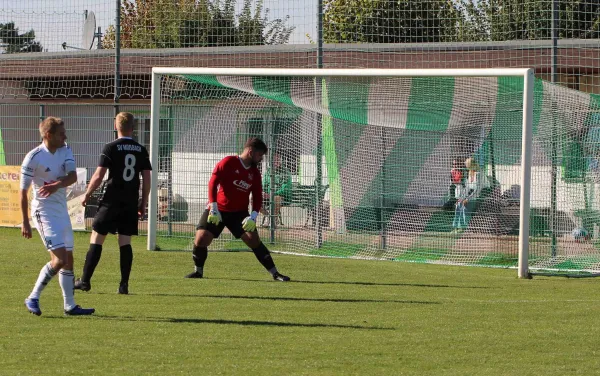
256, 144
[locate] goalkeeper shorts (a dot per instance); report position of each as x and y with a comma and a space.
231, 220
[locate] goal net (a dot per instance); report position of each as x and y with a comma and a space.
426, 166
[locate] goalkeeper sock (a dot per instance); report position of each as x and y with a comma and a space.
264, 257
199, 255
91, 261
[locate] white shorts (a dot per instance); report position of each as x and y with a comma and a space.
56, 230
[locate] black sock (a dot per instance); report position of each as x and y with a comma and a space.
199, 255
264, 256
126, 261
91, 261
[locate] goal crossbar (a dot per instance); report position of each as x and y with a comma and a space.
307, 72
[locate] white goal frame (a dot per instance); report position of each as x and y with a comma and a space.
526, 146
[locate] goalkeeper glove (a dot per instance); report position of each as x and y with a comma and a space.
249, 223
214, 216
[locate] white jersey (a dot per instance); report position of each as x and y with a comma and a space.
41, 167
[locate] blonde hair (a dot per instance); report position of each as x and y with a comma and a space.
124, 122
471, 164
50, 125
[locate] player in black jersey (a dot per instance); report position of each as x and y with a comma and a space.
118, 209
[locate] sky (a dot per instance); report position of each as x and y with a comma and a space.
58, 21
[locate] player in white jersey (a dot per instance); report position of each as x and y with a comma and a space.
50, 167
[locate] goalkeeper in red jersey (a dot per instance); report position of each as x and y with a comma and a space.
229, 188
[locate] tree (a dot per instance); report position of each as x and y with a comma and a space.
13, 42
195, 23
390, 21
531, 20
414, 21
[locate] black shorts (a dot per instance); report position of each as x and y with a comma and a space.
231, 220
116, 219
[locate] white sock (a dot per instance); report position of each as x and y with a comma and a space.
45, 276
199, 269
273, 271
66, 278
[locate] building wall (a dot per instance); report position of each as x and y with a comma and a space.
88, 127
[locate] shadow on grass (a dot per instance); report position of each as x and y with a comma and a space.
175, 320
357, 283
292, 299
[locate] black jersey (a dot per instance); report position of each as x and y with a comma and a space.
125, 160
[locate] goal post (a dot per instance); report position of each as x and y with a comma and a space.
173, 87
154, 131
526, 146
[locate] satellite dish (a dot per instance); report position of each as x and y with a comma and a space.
89, 31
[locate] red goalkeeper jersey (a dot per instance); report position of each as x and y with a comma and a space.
231, 184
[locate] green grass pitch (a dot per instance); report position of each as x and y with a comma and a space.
337, 317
